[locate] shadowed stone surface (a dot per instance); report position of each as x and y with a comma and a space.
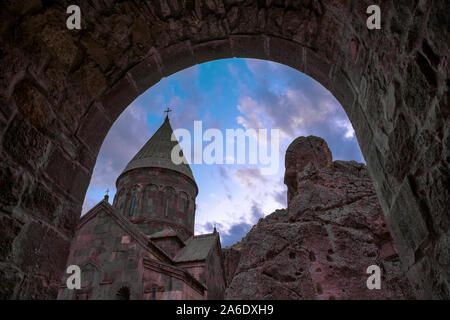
61, 90
321, 246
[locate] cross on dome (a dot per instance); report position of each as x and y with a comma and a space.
167, 112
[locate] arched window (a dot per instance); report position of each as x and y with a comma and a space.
183, 202
150, 194
90, 275
133, 200
168, 193
123, 293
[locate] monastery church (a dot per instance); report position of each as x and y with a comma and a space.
143, 245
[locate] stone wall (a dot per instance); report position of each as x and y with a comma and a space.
113, 258
231, 257
61, 90
322, 245
214, 276
163, 282
163, 198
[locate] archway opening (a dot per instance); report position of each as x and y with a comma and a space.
123, 293
229, 94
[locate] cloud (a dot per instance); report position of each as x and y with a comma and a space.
256, 213
230, 234
281, 198
127, 135
223, 172
88, 203
297, 105
235, 234
253, 197
249, 176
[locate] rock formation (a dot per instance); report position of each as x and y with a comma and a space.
321, 245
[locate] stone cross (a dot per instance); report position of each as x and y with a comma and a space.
167, 112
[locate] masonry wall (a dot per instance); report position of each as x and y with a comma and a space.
213, 274
170, 245
113, 259
162, 198
162, 283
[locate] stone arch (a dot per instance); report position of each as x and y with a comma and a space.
123, 293
169, 200
139, 194
91, 274
150, 195
61, 91
183, 202
121, 290
135, 195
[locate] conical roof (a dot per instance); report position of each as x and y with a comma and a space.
156, 153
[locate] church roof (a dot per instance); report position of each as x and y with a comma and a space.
166, 232
157, 151
130, 229
197, 248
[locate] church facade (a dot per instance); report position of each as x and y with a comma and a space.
143, 245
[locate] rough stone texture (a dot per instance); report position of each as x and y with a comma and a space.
301, 152
114, 254
231, 258
321, 246
61, 90
163, 198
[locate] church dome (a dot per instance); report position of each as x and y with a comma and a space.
156, 153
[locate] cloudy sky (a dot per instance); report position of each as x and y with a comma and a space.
229, 94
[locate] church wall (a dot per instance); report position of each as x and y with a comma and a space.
109, 259
214, 277
210, 272
168, 286
169, 244
195, 268
155, 198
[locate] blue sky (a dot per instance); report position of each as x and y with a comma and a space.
228, 94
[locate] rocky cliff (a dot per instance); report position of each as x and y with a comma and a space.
321, 245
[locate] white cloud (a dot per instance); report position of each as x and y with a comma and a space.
252, 192
127, 135
347, 126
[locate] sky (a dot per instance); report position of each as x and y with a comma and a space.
229, 94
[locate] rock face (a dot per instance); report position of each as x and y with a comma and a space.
321, 246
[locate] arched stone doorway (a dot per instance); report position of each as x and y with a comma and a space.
62, 89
